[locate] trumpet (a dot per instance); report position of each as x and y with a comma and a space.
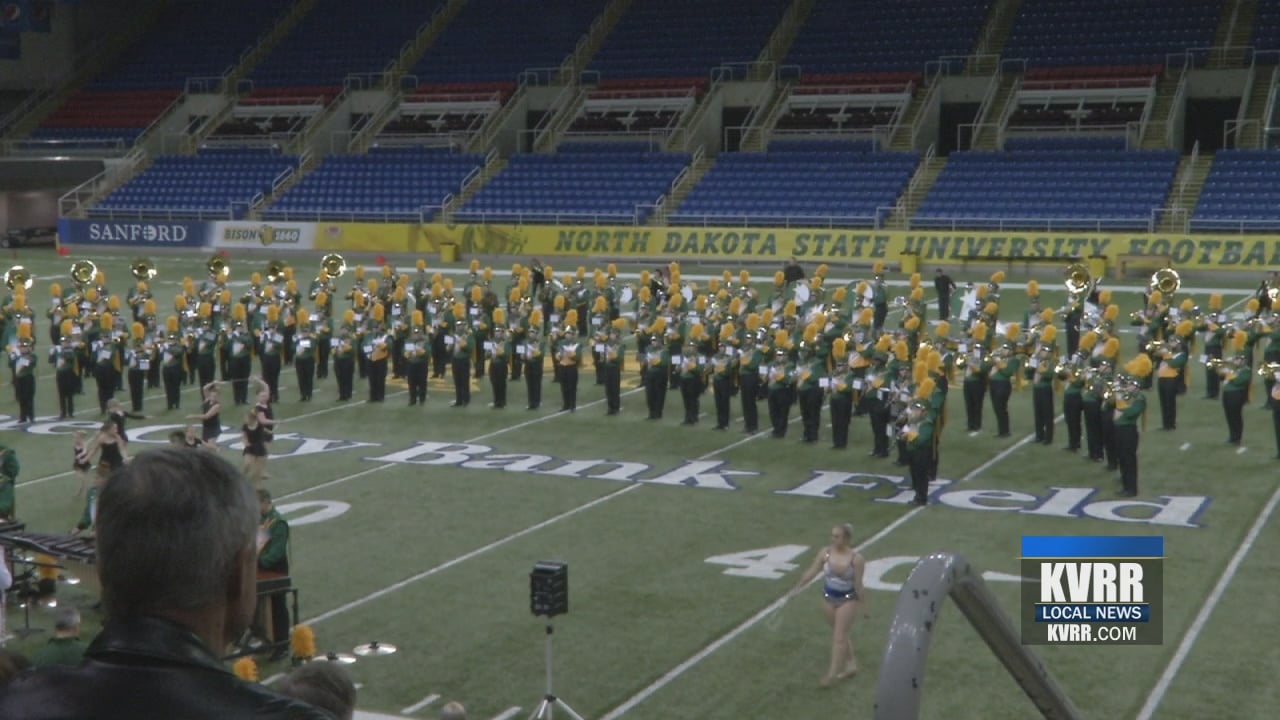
1154, 347
1268, 369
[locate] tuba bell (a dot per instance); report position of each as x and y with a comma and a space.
82, 272
217, 268
142, 269
1166, 280
1077, 279
18, 276
332, 266
275, 271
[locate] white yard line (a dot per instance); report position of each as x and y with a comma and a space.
507, 714
750, 622
1202, 618
420, 704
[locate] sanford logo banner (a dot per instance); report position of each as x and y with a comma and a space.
291, 236
132, 233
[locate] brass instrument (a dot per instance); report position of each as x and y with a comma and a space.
1166, 280
1154, 347
217, 268
82, 272
1268, 369
18, 275
1216, 364
332, 266
275, 271
142, 269
1273, 292
1077, 280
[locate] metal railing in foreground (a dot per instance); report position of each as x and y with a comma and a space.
936, 577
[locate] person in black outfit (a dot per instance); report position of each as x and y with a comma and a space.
792, 272
118, 415
111, 448
944, 285
532, 353
499, 355
209, 417
253, 435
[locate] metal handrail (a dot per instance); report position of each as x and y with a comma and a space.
419, 215
1098, 224
1271, 100
932, 97
547, 124
984, 108
168, 213
1239, 226
543, 218
936, 577
761, 220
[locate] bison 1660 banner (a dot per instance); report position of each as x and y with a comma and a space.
1204, 251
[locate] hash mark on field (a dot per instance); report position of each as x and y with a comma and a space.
420, 704
1202, 618
1185, 446
507, 714
747, 624
1241, 450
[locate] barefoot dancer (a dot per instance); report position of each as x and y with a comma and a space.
841, 567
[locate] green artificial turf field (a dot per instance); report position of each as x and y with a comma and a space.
418, 526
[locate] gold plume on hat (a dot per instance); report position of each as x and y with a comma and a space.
1215, 302
571, 318
838, 349
914, 281
349, 317
1111, 313
1049, 334
925, 389
1088, 341
138, 331
1111, 348
273, 313
877, 268
499, 316
943, 329
535, 319
170, 325
997, 277
1184, 328
900, 351
1046, 315
917, 293
884, 343
778, 278
979, 331
753, 322
911, 324
1033, 289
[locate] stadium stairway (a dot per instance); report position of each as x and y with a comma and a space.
700, 166
492, 167
922, 180
278, 32
414, 51
1249, 135
1188, 183
987, 136
785, 34
595, 37
994, 35
1157, 133
1234, 34
902, 140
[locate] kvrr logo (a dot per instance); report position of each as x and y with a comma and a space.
1093, 589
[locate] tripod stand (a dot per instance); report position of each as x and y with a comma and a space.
549, 699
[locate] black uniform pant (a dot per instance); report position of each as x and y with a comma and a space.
24, 390
1001, 390
192, 357
613, 387
66, 381
517, 367
1233, 402
439, 355
362, 365
878, 314
920, 459
1167, 389
1073, 338
1127, 455
461, 381
569, 387
1042, 404
106, 377
780, 399
1106, 416
1073, 409
944, 306
878, 414
305, 367
322, 358
280, 622
137, 386
655, 392
376, 371
271, 374
238, 372
498, 378
173, 375
397, 357
690, 392
1212, 380
722, 391
1275, 422
750, 394
811, 412
286, 344
1267, 385
153, 377
206, 366
479, 365
416, 371
344, 368
975, 392
1092, 410
841, 414
533, 382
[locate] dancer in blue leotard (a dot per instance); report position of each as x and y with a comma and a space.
841, 567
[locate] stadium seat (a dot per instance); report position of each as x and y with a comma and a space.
797, 183
1242, 191
583, 182
1051, 182
390, 184
211, 183
1107, 32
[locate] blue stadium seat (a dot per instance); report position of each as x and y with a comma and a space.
224, 181
1241, 192
1109, 32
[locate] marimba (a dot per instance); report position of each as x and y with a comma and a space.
72, 554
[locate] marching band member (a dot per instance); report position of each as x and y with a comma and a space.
937, 372
304, 353
876, 395
1005, 368
1275, 404
173, 364
1046, 357
691, 374
1172, 357
809, 389
22, 361
612, 360
1272, 352
343, 351
65, 358
879, 298
569, 358
417, 349
478, 315
1213, 331
377, 346
206, 345
1104, 373
657, 360
751, 368
1073, 373
106, 369
499, 350
138, 357
322, 332
977, 368
841, 402
724, 365
1236, 375
532, 354
461, 345
1130, 406
918, 433
399, 322
782, 377
239, 345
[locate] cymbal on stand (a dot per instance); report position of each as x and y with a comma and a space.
373, 648
344, 658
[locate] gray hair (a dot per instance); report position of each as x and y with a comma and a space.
170, 526
325, 685
453, 711
67, 619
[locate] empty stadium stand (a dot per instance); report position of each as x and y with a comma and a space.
403, 184
1266, 27
1106, 32
222, 184
847, 37
821, 183
678, 38
583, 182
493, 41
1040, 183
1242, 192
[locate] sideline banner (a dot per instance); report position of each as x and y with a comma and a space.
372, 237
133, 233
286, 236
